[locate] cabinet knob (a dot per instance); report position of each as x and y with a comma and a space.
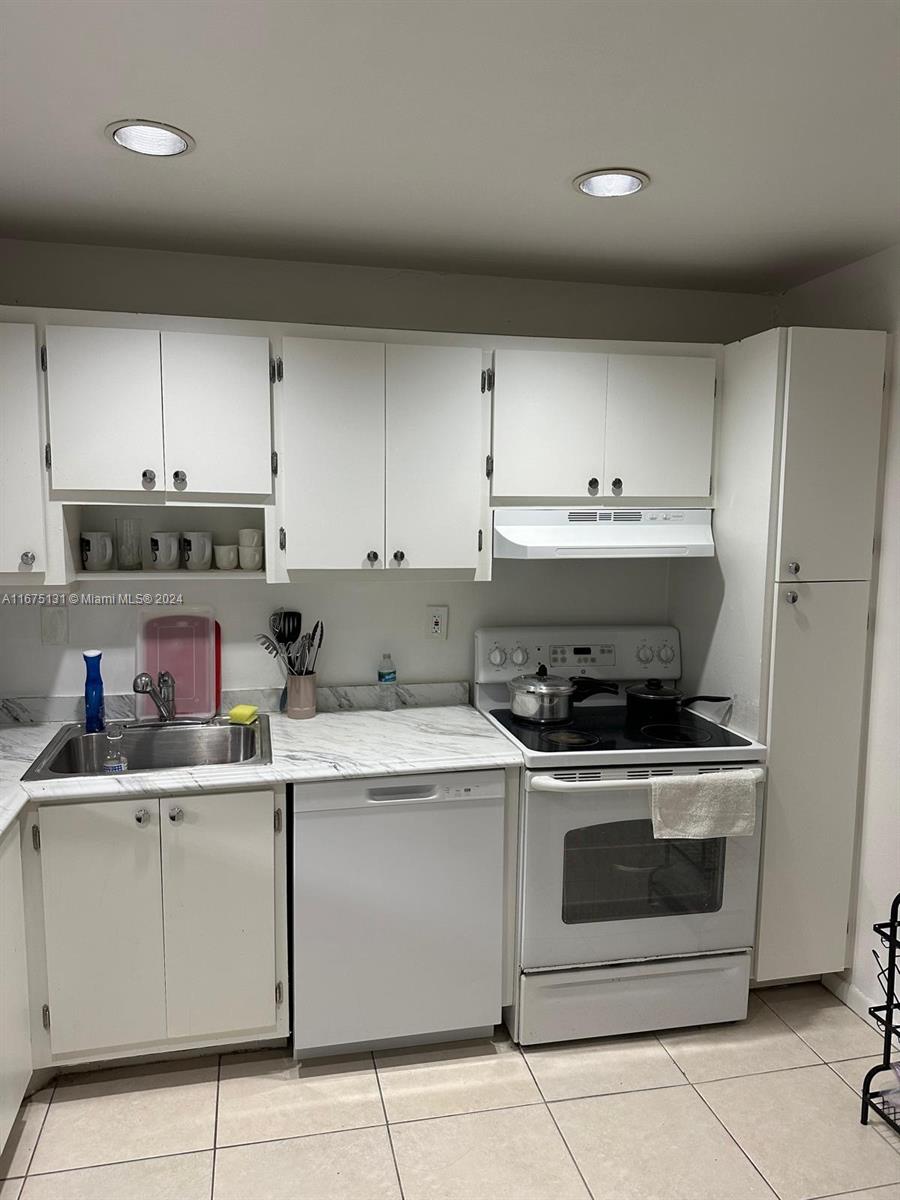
617, 484
179, 478
794, 568
27, 558
176, 815
593, 484
791, 597
142, 816
399, 556
148, 478
372, 556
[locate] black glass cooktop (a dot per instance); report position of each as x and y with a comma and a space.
604, 727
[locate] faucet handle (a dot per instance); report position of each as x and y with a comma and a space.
143, 683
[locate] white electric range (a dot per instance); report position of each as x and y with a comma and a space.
619, 932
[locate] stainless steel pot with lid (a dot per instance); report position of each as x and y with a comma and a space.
541, 697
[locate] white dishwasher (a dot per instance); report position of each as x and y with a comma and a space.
398, 908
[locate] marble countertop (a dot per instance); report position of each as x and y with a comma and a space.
337, 745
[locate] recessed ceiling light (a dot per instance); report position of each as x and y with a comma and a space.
150, 137
613, 181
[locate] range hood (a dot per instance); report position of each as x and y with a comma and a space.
603, 533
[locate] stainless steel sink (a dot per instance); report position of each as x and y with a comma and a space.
152, 746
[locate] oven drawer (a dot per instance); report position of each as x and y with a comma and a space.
558, 1006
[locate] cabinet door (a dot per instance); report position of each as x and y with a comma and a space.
659, 425
15, 1035
332, 453
103, 924
218, 863
813, 778
218, 410
434, 455
21, 453
832, 433
549, 418
105, 409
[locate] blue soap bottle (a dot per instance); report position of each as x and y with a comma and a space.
94, 715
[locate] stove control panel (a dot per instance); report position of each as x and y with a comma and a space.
597, 651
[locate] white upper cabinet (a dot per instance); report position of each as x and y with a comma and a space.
104, 398
435, 456
217, 405
549, 422
21, 453
659, 426
332, 453
829, 478
218, 866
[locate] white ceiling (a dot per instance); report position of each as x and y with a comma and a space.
445, 133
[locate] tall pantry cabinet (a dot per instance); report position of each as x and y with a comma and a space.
783, 624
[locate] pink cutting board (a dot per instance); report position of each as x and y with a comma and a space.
184, 644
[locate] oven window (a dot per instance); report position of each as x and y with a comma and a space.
619, 871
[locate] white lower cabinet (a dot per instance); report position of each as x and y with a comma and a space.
15, 1035
218, 874
815, 727
161, 921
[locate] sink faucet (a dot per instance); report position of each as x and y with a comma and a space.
162, 696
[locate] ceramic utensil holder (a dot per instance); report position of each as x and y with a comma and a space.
301, 696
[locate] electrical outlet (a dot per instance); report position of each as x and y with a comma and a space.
54, 626
437, 621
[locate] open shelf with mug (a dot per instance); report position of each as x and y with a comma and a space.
133, 543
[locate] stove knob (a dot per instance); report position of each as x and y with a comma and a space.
519, 657
497, 657
665, 653
645, 654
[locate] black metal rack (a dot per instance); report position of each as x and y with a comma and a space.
887, 1017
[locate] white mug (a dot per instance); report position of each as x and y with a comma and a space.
197, 551
251, 558
165, 548
250, 537
226, 557
96, 551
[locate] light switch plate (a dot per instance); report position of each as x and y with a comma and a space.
54, 626
438, 615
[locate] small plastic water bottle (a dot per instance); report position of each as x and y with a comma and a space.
115, 762
387, 684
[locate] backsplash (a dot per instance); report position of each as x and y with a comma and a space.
365, 614
33, 710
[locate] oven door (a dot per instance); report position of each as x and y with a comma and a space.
598, 887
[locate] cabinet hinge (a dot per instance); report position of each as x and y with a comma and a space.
43, 358
279, 992
279, 821
279, 369
489, 466
36, 837
484, 381
489, 379
282, 539
480, 540
272, 374
47, 456
274, 462
45, 1016
715, 387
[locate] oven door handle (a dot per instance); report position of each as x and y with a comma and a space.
549, 783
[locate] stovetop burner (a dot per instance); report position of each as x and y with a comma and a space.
569, 739
676, 735
596, 728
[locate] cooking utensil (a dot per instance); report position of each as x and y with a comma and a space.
546, 699
653, 701
318, 636
272, 647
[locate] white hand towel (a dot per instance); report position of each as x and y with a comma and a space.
716, 804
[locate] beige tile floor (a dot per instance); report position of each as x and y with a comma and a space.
765, 1108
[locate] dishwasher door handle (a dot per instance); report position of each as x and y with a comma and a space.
404, 795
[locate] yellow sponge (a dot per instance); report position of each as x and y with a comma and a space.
243, 714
